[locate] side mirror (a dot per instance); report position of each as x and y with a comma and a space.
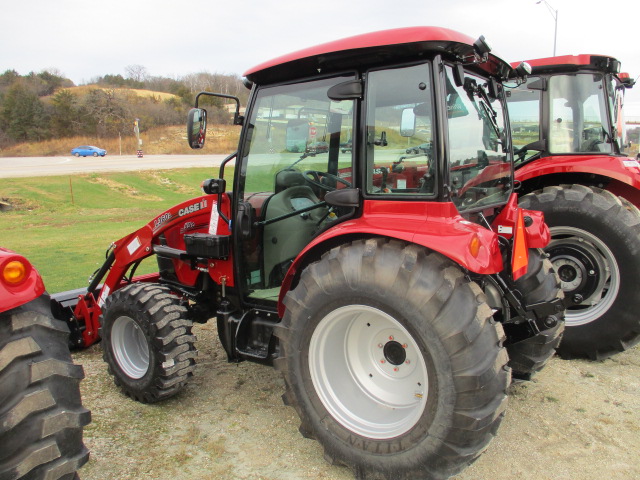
408, 123
196, 127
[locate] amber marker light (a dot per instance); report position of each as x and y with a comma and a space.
14, 272
474, 246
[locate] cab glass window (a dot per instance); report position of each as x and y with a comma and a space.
479, 162
578, 114
524, 116
399, 147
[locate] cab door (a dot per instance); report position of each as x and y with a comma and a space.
297, 148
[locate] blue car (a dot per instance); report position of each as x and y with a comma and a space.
88, 150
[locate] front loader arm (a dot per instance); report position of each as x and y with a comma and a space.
123, 256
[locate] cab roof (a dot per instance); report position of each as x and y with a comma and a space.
372, 49
573, 63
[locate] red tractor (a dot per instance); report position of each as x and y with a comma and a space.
41, 414
371, 249
568, 133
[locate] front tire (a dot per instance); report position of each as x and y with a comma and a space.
392, 361
147, 342
595, 247
41, 413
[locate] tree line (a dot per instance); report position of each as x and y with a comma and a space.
40, 106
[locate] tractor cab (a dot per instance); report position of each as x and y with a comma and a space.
329, 141
570, 105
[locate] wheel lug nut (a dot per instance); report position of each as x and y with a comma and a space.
404, 345
382, 361
395, 369
390, 337
408, 362
380, 345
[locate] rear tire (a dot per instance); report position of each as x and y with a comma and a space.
392, 361
595, 247
41, 413
539, 284
147, 342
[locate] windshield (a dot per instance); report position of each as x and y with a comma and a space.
578, 117
479, 165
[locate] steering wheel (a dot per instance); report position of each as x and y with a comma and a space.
315, 177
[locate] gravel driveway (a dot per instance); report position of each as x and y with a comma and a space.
578, 420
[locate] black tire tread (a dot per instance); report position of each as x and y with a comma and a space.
169, 336
41, 413
473, 342
540, 284
618, 329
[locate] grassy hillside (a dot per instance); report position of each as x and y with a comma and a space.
66, 241
84, 89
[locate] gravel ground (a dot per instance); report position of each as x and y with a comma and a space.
578, 420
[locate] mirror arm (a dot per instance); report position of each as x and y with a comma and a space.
237, 118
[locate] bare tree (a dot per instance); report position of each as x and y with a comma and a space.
136, 72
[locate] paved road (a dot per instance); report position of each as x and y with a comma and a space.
12, 167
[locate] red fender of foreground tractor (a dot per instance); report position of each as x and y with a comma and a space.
166, 231
439, 227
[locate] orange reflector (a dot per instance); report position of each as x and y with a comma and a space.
14, 272
520, 254
474, 246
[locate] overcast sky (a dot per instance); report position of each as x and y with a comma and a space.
83, 39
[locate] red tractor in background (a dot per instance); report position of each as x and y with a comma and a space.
568, 135
41, 414
371, 248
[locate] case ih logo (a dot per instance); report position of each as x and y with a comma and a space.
192, 208
167, 216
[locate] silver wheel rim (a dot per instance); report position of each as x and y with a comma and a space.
368, 372
130, 347
608, 286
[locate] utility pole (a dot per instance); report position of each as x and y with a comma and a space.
554, 14
136, 130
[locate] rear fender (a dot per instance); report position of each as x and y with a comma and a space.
434, 225
625, 170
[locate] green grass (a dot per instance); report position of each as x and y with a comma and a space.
66, 240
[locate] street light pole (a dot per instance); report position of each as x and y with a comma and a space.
554, 14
